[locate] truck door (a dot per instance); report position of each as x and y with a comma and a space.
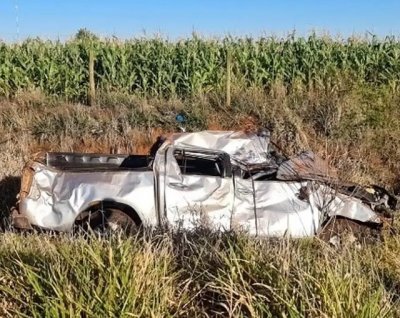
273, 208
198, 188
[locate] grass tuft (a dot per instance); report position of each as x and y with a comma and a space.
195, 274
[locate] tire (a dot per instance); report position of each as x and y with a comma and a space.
343, 228
107, 220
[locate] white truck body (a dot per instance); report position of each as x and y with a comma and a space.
195, 179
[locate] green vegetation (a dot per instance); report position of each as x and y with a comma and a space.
158, 67
338, 98
195, 275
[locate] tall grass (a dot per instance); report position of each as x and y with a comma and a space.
194, 275
159, 67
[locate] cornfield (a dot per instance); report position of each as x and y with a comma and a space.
159, 67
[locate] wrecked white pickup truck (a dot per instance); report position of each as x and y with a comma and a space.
218, 179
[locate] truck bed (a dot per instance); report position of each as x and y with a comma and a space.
95, 162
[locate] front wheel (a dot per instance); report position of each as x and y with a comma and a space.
340, 229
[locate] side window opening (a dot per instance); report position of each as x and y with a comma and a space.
198, 163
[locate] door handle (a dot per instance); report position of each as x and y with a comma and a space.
179, 186
244, 191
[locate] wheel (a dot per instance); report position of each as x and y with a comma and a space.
107, 219
342, 229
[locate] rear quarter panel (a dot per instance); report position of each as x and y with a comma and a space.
57, 197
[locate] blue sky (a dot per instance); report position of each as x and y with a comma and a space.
178, 18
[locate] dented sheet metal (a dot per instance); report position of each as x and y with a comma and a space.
190, 200
193, 184
57, 197
273, 209
240, 146
276, 208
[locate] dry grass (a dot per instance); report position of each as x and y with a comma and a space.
200, 274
